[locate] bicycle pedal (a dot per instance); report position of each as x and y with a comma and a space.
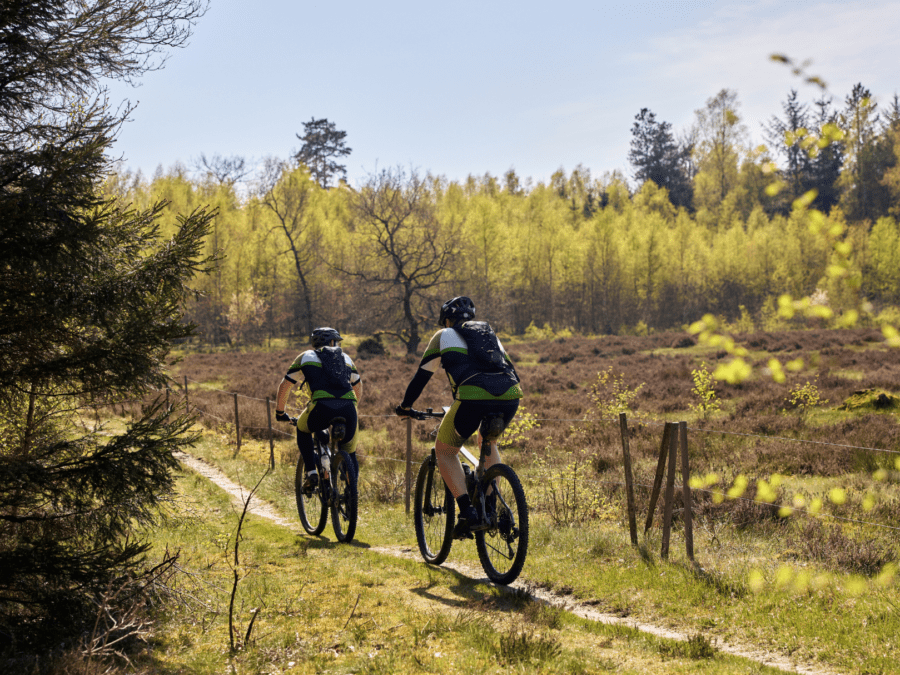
460, 536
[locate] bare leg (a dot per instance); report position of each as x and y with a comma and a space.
450, 468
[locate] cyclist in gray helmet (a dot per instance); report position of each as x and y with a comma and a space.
483, 381
335, 389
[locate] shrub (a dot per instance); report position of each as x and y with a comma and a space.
370, 347
829, 544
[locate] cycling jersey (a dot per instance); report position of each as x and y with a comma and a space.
470, 379
322, 385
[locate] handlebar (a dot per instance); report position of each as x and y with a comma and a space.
419, 414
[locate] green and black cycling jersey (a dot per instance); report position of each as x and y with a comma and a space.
472, 377
329, 372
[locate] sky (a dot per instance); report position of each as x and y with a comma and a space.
468, 88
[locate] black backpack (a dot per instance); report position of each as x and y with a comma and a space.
484, 347
334, 365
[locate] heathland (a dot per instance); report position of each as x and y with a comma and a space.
794, 504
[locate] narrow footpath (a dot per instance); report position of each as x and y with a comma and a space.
265, 510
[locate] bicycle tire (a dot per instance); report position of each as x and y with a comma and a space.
503, 547
345, 500
434, 523
310, 508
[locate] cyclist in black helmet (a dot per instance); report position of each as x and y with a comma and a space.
335, 389
483, 381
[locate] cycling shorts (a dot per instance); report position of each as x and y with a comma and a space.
318, 416
463, 418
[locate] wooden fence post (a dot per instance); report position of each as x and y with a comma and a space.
187, 404
408, 461
237, 426
629, 485
670, 492
686, 491
657, 481
271, 436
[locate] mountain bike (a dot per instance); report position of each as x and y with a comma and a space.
336, 489
497, 496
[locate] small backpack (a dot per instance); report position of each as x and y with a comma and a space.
484, 347
334, 365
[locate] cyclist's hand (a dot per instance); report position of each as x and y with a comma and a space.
282, 416
402, 412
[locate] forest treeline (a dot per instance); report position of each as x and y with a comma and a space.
712, 226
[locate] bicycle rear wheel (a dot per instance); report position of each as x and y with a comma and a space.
502, 548
345, 500
433, 513
310, 506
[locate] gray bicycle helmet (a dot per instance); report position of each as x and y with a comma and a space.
322, 336
458, 309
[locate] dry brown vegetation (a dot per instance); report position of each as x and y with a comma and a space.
757, 432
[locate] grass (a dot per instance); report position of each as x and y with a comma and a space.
747, 589
759, 579
328, 608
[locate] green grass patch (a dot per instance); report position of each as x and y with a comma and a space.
747, 588
322, 607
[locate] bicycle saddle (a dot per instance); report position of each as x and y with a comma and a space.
492, 427
339, 428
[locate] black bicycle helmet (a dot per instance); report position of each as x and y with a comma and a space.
458, 309
322, 336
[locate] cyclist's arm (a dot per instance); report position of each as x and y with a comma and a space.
430, 361
357, 390
415, 388
283, 390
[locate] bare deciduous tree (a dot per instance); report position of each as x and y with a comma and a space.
408, 253
225, 170
288, 193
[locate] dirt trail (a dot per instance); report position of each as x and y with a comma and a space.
569, 604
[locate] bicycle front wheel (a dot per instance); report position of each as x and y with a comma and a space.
502, 547
310, 505
433, 513
345, 500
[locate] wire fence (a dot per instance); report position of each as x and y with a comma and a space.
271, 432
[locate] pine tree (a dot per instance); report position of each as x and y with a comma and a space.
91, 298
321, 143
826, 162
657, 156
862, 195
786, 137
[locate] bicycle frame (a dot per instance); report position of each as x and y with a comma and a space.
477, 495
496, 492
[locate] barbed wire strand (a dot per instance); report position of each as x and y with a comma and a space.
641, 421
796, 509
793, 509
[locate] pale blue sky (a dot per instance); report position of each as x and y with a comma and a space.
472, 87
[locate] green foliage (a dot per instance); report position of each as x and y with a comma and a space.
245, 316
568, 492
705, 391
532, 332
743, 324
804, 397
92, 296
611, 395
519, 430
